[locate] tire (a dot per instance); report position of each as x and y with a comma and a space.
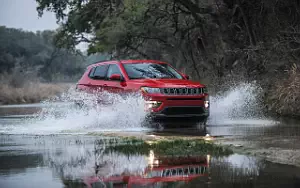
201, 125
159, 126
79, 104
152, 124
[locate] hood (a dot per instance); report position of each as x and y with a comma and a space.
176, 83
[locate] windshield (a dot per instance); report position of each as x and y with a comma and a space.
151, 70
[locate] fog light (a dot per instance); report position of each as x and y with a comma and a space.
206, 104
152, 104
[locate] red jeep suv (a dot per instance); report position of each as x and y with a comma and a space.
168, 93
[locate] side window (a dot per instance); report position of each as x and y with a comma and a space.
92, 72
99, 72
113, 69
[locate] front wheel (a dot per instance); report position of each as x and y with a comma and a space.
152, 124
79, 104
201, 125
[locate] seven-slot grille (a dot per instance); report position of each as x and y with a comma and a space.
181, 91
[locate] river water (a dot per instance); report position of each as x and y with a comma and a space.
54, 144
80, 161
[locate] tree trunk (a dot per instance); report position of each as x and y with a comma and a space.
248, 26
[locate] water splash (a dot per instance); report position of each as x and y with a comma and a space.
122, 113
240, 104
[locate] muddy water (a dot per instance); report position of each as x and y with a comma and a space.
50, 152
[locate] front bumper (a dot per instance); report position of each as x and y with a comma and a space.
179, 106
178, 118
181, 112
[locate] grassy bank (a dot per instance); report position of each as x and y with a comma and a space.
165, 147
186, 146
30, 92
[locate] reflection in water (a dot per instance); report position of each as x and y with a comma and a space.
160, 172
86, 161
17, 163
106, 167
118, 170
102, 166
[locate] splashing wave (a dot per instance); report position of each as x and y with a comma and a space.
123, 113
239, 105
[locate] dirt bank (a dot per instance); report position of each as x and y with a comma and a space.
283, 151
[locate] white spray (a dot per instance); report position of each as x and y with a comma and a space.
239, 105
124, 113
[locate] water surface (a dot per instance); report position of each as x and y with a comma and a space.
52, 145
83, 161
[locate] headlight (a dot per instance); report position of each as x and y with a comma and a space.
150, 90
206, 104
152, 104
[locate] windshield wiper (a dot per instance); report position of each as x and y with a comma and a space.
165, 77
147, 73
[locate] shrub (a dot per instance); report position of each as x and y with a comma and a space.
284, 97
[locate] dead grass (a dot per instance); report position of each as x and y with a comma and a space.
30, 92
285, 96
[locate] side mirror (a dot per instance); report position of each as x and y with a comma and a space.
116, 77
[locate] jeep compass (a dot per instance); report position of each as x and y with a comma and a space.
168, 93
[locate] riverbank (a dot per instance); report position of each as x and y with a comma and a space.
282, 151
283, 98
31, 92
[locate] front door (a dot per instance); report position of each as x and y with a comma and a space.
114, 86
97, 82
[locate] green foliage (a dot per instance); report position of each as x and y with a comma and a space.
176, 147
93, 58
219, 41
206, 38
189, 147
25, 53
